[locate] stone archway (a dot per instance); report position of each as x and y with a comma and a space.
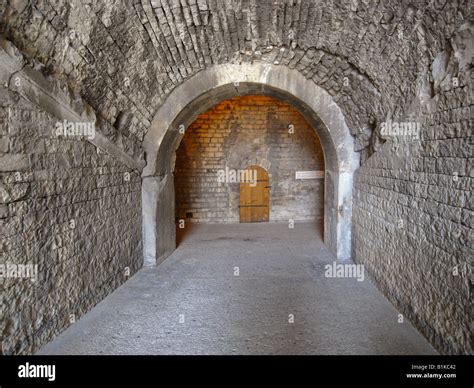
221, 82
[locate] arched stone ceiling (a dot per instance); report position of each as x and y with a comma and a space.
128, 55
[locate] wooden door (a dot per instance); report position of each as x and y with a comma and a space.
254, 196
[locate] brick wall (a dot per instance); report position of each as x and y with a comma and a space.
240, 132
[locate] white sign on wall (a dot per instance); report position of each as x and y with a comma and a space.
309, 175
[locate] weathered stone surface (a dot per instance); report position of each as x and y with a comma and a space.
360, 54
13, 162
379, 60
409, 198
42, 192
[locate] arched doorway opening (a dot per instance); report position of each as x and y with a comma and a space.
230, 152
221, 82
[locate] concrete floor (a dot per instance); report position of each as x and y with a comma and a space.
281, 273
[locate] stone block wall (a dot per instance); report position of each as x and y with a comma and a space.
413, 219
124, 58
237, 133
68, 209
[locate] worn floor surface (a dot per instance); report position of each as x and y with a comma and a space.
234, 289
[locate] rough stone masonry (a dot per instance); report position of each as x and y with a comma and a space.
72, 205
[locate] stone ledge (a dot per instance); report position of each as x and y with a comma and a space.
52, 98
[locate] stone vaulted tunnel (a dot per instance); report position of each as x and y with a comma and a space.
116, 118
